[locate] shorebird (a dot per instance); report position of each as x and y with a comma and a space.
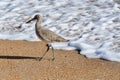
45, 35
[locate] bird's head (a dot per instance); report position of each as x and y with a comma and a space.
36, 17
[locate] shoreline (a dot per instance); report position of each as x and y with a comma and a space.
17, 59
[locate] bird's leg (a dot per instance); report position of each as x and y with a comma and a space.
50, 46
40, 58
53, 54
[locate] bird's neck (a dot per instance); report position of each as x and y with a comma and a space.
38, 24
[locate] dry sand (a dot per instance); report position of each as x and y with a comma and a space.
17, 62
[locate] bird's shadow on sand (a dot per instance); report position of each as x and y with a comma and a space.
16, 57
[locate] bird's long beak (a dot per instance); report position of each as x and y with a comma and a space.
29, 20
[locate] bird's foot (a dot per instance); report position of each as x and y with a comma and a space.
53, 59
39, 58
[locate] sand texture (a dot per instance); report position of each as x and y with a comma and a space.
17, 62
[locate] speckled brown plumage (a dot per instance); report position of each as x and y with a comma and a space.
45, 35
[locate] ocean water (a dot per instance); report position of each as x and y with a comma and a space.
92, 26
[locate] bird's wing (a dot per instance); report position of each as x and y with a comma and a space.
53, 36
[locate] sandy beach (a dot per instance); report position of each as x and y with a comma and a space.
17, 62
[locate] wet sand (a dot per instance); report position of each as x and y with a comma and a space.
17, 62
